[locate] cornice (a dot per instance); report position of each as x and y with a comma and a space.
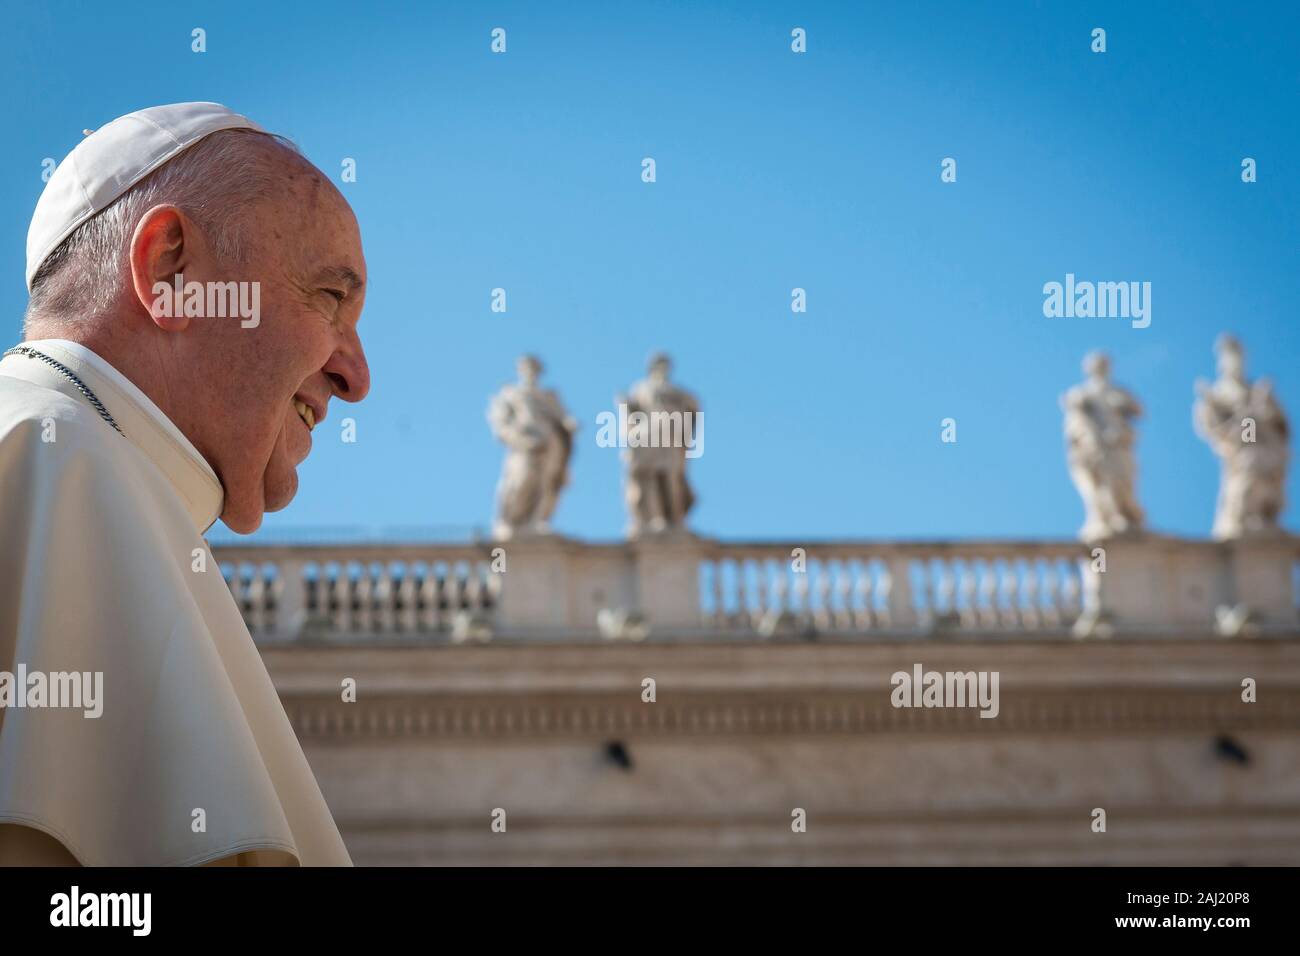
1030, 710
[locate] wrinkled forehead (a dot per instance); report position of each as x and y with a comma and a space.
314, 222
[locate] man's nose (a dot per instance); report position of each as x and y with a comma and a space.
349, 372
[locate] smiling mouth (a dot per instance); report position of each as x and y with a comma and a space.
305, 413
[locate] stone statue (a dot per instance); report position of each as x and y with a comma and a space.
661, 425
1099, 438
538, 434
1246, 427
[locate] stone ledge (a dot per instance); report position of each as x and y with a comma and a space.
602, 715
777, 668
1136, 836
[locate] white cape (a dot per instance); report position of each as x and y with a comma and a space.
98, 534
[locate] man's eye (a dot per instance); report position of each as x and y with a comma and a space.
338, 295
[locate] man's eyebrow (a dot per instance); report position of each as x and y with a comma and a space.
344, 274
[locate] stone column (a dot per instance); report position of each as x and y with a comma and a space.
290, 600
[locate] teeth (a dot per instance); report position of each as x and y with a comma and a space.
305, 413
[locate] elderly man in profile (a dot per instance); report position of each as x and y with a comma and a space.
195, 287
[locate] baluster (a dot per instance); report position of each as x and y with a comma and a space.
341, 594
761, 590
926, 566
719, 596
384, 594
1070, 592
1052, 593
290, 598
362, 591
314, 600
946, 589
270, 596
988, 612
1011, 595
429, 597
783, 597
408, 594
256, 596
438, 605
742, 593
823, 613
843, 615
456, 575
901, 612
1032, 616
495, 581
801, 599
867, 618
969, 596
473, 587
453, 593
446, 595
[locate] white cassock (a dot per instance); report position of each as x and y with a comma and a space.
98, 536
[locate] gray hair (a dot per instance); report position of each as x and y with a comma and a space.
213, 182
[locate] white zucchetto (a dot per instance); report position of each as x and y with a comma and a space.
111, 160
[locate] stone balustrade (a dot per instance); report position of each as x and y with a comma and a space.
679, 586
324, 590
860, 586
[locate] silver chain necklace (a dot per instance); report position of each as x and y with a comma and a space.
70, 376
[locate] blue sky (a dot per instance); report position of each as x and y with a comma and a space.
775, 170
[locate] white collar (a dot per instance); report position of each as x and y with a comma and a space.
141, 421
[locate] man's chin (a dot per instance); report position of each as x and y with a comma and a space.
277, 498
245, 516
241, 523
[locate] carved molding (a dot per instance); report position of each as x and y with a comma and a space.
1130, 710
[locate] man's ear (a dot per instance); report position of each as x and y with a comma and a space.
160, 250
